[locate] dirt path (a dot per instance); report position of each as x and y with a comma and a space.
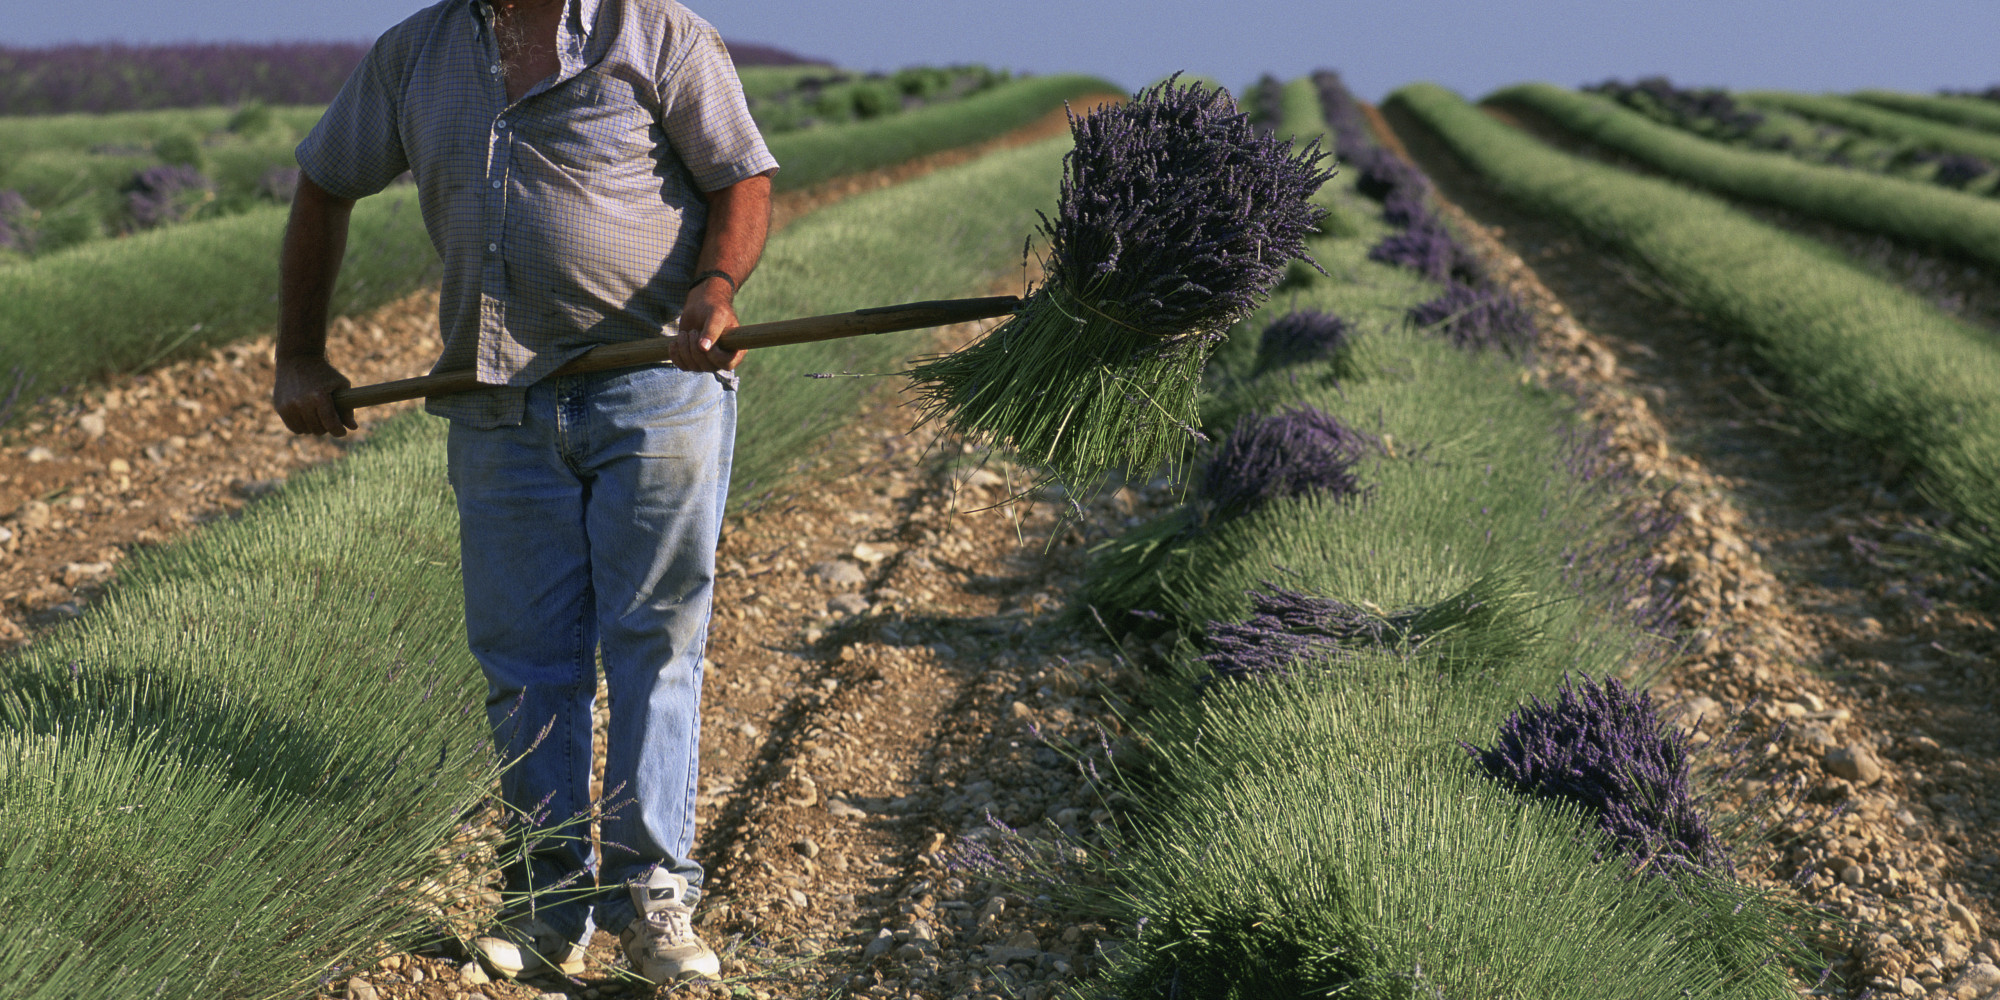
1860, 658
886, 671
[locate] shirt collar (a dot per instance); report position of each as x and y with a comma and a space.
578, 14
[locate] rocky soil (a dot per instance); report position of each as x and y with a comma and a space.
1829, 630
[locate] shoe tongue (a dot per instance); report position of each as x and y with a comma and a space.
662, 888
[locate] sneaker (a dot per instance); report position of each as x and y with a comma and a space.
527, 945
660, 941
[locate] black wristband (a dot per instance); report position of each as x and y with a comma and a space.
714, 273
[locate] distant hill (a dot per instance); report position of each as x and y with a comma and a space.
98, 78
753, 54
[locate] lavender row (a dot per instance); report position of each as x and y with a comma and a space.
105, 77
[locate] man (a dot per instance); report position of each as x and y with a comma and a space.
589, 173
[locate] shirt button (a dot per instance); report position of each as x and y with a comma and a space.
496, 185
502, 123
495, 68
492, 248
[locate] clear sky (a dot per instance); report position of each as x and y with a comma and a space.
1811, 45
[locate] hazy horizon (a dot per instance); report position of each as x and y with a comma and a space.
1832, 45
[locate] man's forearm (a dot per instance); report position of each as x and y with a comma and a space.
739, 218
304, 381
315, 242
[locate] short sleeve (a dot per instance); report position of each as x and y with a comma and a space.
356, 149
705, 117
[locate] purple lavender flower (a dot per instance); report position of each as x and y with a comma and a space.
280, 184
1959, 169
1384, 174
1604, 748
1710, 112
1299, 451
1286, 627
1175, 219
15, 214
1430, 250
164, 194
1302, 337
1478, 318
1175, 214
1344, 117
1405, 209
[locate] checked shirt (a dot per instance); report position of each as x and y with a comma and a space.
567, 219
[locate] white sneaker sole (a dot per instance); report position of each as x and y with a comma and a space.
512, 961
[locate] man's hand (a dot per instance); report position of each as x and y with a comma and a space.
303, 396
707, 315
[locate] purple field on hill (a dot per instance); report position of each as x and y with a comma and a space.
100, 78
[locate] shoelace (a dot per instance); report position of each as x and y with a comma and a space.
674, 922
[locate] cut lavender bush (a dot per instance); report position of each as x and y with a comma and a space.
1478, 318
1344, 117
1959, 169
1299, 451
1487, 623
1305, 337
1175, 220
1604, 747
167, 193
1429, 249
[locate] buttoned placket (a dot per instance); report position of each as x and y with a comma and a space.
499, 161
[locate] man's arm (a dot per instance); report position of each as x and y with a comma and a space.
315, 241
739, 217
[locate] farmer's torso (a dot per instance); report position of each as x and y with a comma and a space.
567, 216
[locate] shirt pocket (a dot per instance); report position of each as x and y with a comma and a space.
594, 125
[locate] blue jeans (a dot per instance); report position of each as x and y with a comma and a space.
592, 527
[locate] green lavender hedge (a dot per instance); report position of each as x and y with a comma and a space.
1321, 832
815, 156
1917, 131
1921, 213
1865, 357
1970, 112
234, 775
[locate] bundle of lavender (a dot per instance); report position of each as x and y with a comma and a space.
1176, 218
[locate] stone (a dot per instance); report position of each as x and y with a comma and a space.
797, 898
33, 514
749, 731
1856, 763
807, 847
472, 975
847, 604
884, 940
873, 552
911, 952
841, 809
1965, 920
840, 573
1020, 710
40, 454
1981, 979
92, 424
361, 989
79, 574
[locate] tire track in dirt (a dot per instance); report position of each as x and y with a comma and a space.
1858, 657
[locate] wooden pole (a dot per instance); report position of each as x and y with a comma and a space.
861, 322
